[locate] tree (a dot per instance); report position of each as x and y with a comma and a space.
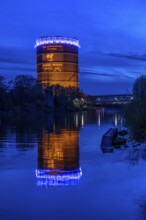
3, 94
21, 92
136, 111
139, 90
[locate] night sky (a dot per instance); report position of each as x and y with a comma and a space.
112, 36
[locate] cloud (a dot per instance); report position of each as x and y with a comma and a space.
104, 77
18, 68
138, 57
111, 66
92, 73
112, 60
17, 55
15, 61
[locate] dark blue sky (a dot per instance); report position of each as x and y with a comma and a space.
112, 35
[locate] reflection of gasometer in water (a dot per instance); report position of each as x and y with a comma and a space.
58, 158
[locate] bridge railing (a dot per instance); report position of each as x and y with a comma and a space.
113, 99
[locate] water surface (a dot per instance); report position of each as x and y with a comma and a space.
55, 169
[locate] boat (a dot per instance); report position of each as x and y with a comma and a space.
108, 140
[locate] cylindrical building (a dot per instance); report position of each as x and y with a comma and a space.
57, 61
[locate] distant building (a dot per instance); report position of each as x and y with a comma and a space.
57, 61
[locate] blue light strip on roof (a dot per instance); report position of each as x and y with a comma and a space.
57, 40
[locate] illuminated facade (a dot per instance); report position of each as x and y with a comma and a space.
57, 61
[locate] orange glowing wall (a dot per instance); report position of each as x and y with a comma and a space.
57, 64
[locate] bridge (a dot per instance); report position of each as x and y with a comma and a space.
112, 99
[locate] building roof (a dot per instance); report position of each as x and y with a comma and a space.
57, 40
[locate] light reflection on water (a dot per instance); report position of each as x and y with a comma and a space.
58, 154
65, 151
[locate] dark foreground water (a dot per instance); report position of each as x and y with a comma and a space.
55, 169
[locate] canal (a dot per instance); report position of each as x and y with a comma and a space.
55, 169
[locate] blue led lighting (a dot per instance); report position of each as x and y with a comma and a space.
57, 40
60, 178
